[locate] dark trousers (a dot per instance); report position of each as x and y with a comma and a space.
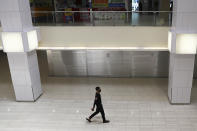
99, 109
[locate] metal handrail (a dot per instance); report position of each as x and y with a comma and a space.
102, 11
111, 12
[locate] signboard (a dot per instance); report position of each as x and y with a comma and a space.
116, 4
117, 1
100, 3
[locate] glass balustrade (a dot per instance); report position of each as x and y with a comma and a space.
102, 18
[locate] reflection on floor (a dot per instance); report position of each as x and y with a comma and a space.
130, 104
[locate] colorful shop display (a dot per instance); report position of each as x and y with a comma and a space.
108, 3
68, 16
76, 15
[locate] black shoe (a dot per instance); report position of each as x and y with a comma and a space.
106, 121
88, 119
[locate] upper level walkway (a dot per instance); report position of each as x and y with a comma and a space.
100, 30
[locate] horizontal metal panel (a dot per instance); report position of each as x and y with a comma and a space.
144, 64
67, 63
105, 63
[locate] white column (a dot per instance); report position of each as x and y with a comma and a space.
182, 46
25, 75
15, 16
180, 78
184, 16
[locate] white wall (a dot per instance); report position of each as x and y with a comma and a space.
1, 46
185, 16
104, 36
0, 40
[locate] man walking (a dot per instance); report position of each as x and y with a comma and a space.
99, 106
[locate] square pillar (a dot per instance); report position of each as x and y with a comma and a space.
20, 41
25, 75
180, 78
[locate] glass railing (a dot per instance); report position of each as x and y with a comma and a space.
102, 18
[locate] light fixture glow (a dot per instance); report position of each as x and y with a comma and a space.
19, 41
32, 39
186, 43
12, 42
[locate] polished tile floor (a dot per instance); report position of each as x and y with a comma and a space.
139, 104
